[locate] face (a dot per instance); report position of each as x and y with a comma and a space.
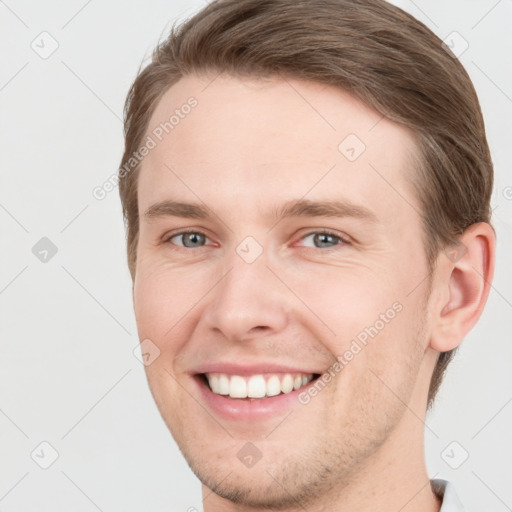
281, 275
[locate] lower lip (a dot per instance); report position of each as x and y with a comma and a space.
247, 410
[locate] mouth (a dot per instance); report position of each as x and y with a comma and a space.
257, 386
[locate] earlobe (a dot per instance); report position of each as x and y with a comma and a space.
466, 275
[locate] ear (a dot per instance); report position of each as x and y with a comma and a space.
465, 273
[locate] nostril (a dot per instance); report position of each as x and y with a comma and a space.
259, 327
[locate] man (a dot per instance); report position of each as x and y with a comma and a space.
306, 187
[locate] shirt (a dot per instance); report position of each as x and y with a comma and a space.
446, 492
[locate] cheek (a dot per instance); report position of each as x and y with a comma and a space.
347, 301
371, 321
149, 298
396, 353
162, 299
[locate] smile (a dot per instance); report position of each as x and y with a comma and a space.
256, 386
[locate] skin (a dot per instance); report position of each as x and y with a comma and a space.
248, 147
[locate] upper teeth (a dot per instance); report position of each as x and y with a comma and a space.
256, 386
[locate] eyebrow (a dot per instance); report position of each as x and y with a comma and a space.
294, 208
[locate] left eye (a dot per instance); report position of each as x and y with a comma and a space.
324, 239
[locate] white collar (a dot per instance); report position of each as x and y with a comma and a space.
446, 492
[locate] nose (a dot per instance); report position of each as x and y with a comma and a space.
249, 301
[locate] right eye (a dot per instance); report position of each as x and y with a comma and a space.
189, 239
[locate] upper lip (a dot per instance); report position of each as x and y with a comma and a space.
251, 369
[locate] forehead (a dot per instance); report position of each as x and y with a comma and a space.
270, 141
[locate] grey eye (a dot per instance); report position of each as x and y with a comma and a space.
190, 240
322, 240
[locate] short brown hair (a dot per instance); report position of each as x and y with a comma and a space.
380, 54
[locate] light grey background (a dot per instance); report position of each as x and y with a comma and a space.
68, 374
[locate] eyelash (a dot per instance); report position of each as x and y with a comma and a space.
342, 239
